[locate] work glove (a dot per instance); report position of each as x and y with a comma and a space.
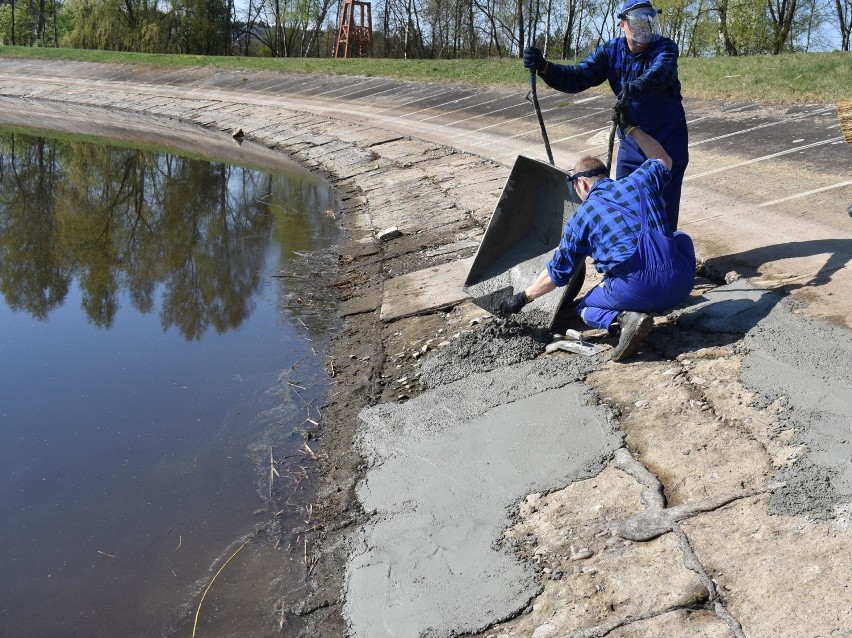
514, 304
533, 59
622, 117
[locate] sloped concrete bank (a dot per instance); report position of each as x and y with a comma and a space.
717, 504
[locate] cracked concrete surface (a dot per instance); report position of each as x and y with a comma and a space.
712, 439
743, 440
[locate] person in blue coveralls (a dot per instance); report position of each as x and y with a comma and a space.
641, 67
621, 224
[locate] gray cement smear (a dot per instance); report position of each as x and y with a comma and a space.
806, 363
496, 344
446, 470
810, 364
735, 308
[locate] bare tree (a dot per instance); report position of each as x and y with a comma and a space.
573, 28
844, 21
781, 13
724, 32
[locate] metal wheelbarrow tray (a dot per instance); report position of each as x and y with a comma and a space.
520, 238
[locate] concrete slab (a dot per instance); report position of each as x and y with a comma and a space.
425, 290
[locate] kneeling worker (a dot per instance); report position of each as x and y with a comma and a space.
622, 225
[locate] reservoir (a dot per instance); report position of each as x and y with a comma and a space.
163, 326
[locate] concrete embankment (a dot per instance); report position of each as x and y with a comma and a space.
703, 488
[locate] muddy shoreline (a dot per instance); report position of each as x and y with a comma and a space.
358, 357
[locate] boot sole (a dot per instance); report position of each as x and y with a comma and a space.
632, 346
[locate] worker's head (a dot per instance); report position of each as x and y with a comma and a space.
586, 172
638, 20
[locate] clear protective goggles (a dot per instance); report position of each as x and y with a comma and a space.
643, 23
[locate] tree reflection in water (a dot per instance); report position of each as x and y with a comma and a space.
148, 223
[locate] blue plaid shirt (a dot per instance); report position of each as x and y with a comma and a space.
599, 227
652, 72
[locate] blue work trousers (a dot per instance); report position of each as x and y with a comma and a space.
672, 134
657, 276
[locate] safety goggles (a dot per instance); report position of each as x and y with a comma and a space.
573, 177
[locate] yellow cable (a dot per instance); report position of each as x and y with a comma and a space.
210, 584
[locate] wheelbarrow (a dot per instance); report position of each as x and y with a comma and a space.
524, 230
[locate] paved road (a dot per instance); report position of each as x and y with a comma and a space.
766, 192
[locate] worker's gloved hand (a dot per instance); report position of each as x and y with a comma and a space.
533, 59
622, 117
514, 304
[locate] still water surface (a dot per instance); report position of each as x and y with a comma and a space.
152, 356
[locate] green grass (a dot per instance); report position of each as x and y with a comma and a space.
791, 78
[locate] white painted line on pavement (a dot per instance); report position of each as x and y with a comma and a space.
506, 108
593, 132
431, 117
420, 99
436, 106
360, 87
760, 159
503, 122
557, 140
806, 193
759, 126
588, 99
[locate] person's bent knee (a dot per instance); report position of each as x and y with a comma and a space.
685, 245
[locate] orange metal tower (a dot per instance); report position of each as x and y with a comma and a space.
355, 37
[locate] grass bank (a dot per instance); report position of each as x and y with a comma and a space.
791, 78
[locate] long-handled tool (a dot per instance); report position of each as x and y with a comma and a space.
610, 145
534, 95
611, 138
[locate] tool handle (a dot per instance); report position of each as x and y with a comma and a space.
610, 145
540, 118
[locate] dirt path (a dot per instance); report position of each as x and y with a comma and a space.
725, 512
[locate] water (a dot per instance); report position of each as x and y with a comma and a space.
153, 359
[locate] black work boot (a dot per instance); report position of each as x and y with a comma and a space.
635, 326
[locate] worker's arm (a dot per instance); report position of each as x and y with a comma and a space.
649, 146
514, 303
541, 286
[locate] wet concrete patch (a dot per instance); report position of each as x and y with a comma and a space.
735, 308
447, 468
807, 362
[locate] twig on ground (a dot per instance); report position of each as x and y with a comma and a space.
272, 471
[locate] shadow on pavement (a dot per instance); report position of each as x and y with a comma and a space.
748, 263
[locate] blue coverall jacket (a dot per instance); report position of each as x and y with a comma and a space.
655, 102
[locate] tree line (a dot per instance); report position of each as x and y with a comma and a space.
188, 235
424, 29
